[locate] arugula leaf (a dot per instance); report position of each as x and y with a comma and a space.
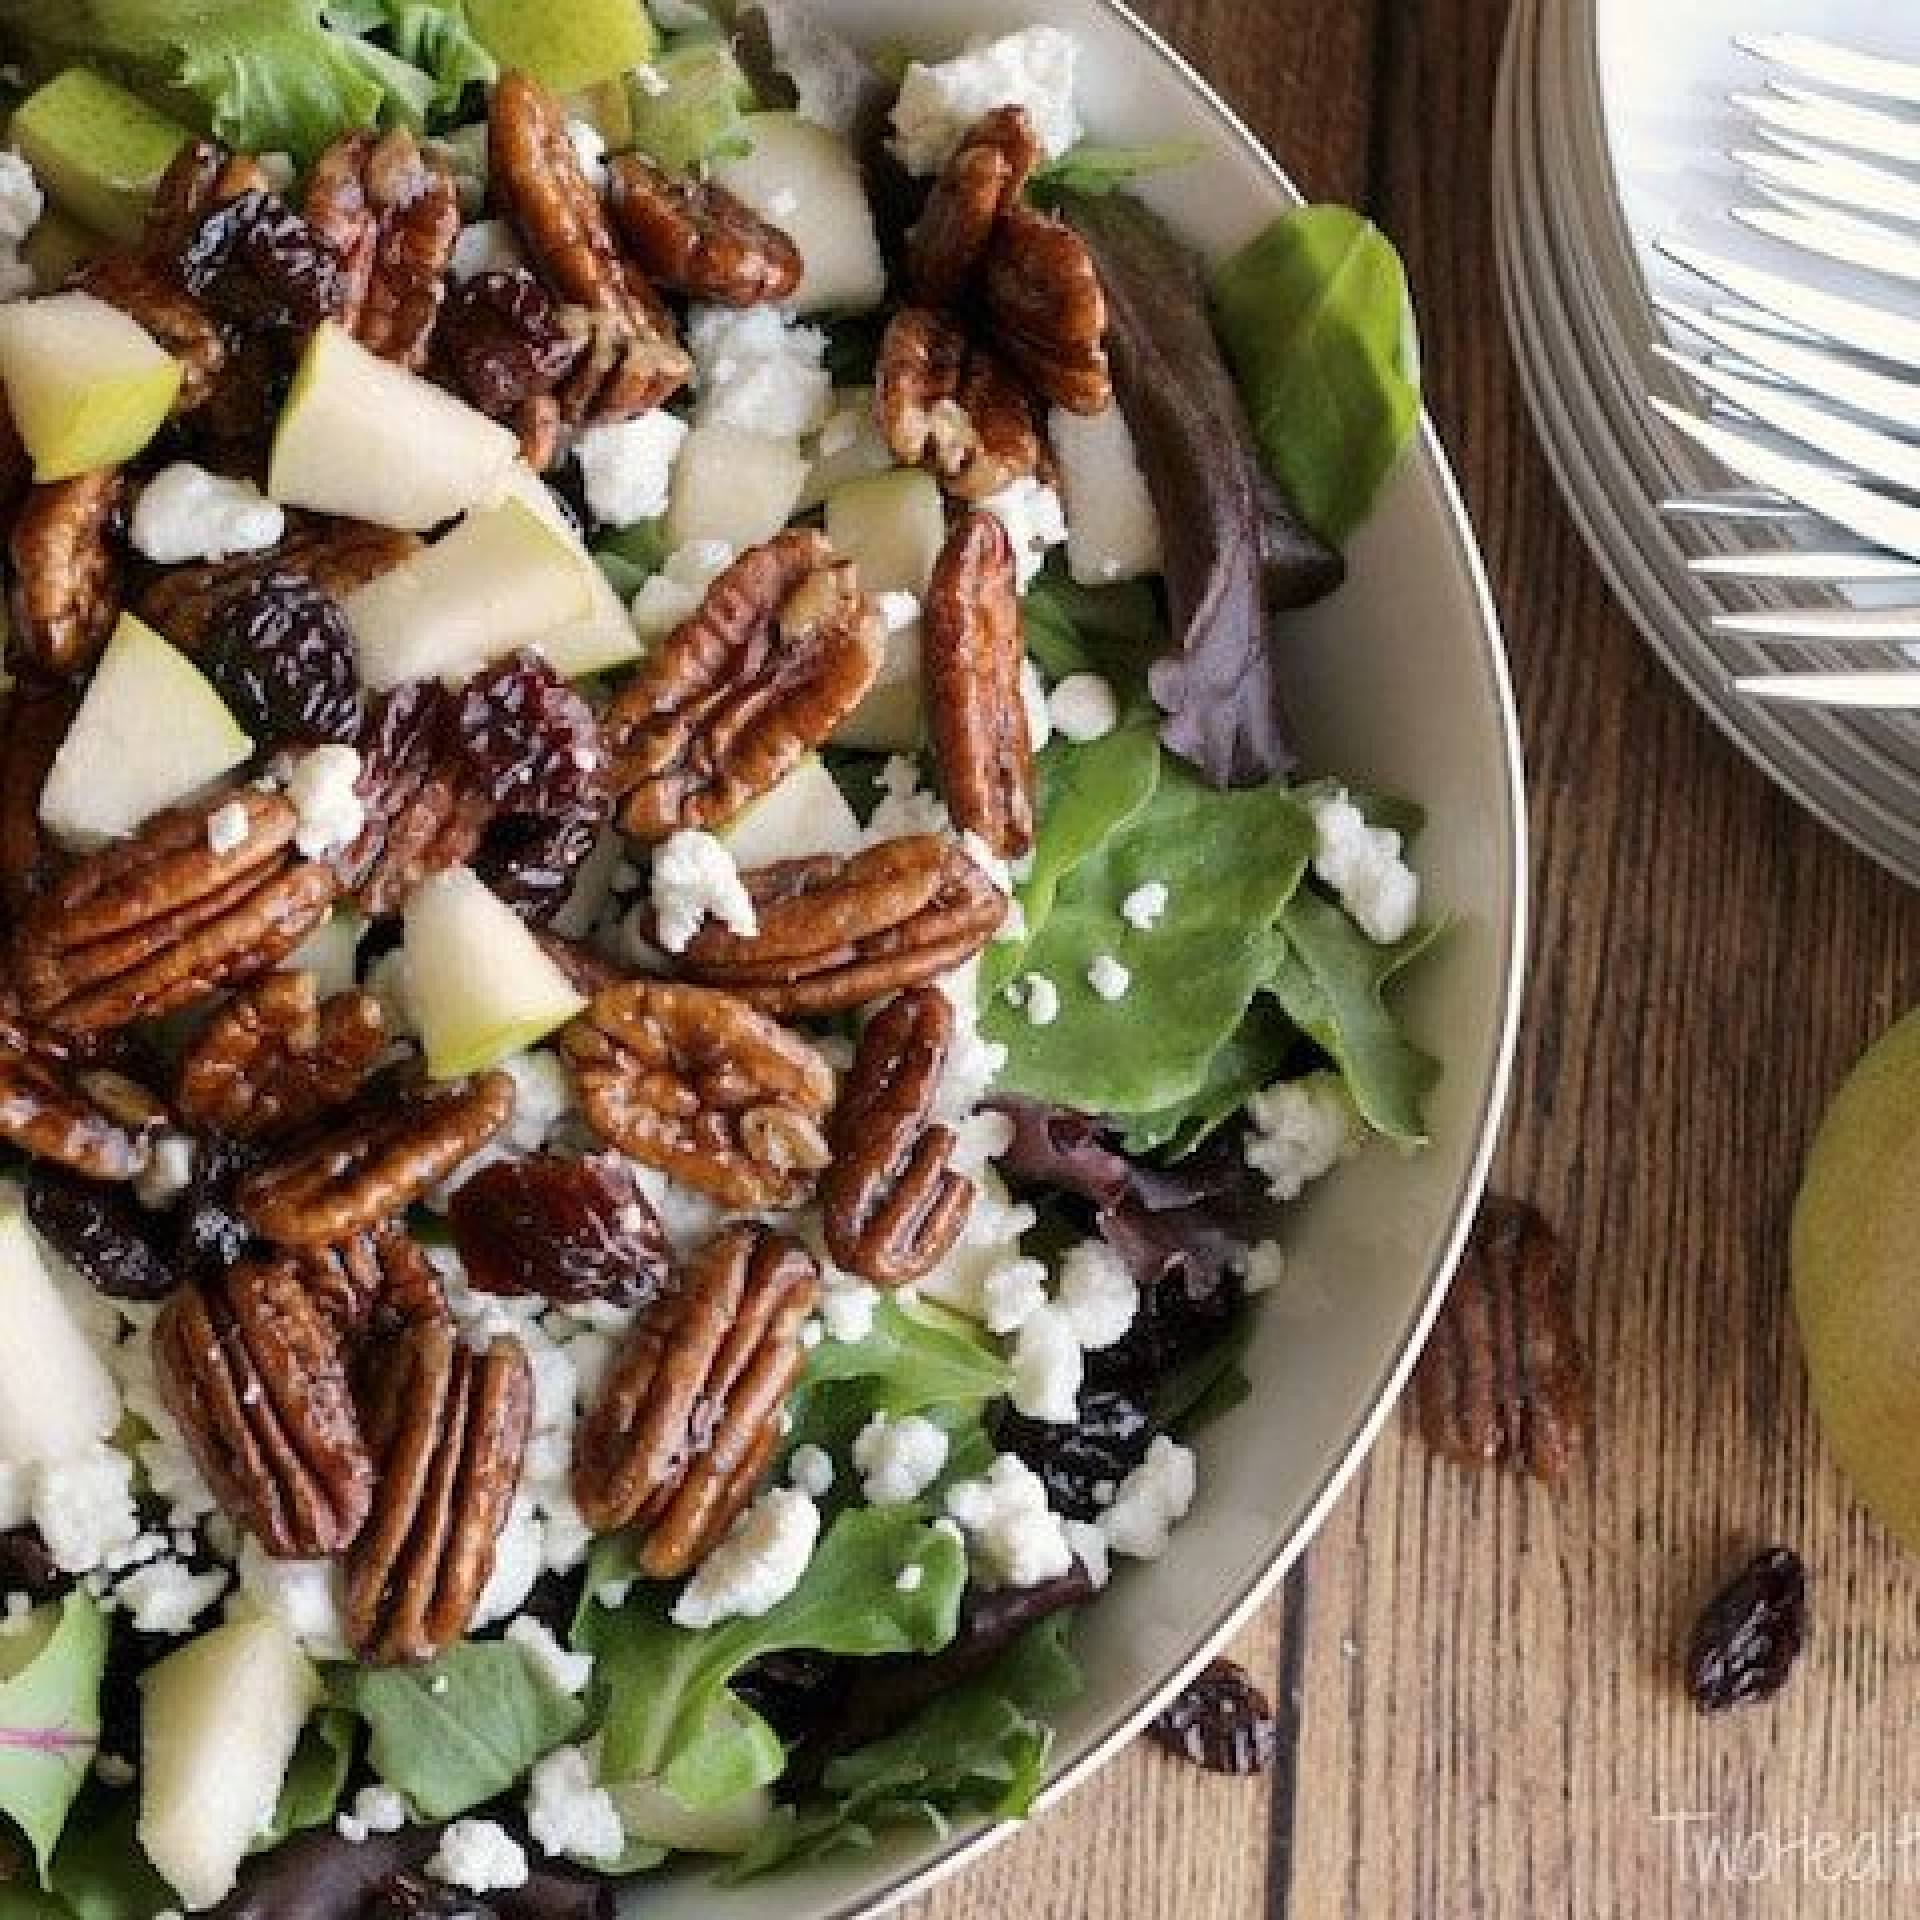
1332, 980
50, 1719
1092, 168
1317, 321
316, 1777
451, 1749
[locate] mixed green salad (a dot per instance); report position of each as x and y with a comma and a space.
517, 512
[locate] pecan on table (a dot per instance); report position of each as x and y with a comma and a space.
373, 1162
509, 346
161, 922
65, 550
1504, 1381
704, 1088
34, 716
978, 187
255, 1371
1047, 311
694, 237
634, 361
146, 291
949, 406
836, 933
448, 1429
783, 648
976, 711
55, 1108
893, 1205
276, 1057
690, 1413
394, 216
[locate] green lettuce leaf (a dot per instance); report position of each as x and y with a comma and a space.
1115, 631
50, 1719
429, 36
914, 1358
316, 1778
99, 1872
1092, 168
631, 557
1317, 322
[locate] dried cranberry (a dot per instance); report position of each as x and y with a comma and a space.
100, 1231
566, 1230
211, 1232
282, 656
27, 1567
797, 1694
1745, 1643
1106, 1443
404, 1897
255, 261
531, 861
1223, 1722
531, 738
507, 341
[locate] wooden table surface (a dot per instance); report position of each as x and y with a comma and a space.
1481, 1714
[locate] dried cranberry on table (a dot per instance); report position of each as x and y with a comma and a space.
257, 263
102, 1232
282, 656
1752, 1631
1222, 1722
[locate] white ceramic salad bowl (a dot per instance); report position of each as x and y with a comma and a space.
1399, 682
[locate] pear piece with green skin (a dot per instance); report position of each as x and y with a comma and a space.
806, 814
853, 449
732, 486
98, 149
479, 985
56, 1396
366, 439
219, 1722
501, 580
87, 386
605, 636
568, 48
1856, 1278
687, 108
150, 733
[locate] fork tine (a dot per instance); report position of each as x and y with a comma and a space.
1804, 567
1892, 692
1827, 626
1879, 75
1754, 506
1837, 236
1837, 178
1833, 123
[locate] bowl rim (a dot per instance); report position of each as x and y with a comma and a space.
971, 1844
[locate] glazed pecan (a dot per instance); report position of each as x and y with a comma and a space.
784, 647
145, 290
634, 362
946, 405
587, 967
160, 922
34, 716
373, 1162
255, 1370
203, 175
702, 1087
275, 1058
1504, 1381
893, 1205
1047, 311
89, 1120
836, 933
694, 237
448, 1428
690, 1413
66, 570
983, 182
394, 215
376, 1282
973, 657
16, 467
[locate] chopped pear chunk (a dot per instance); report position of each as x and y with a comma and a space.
56, 1396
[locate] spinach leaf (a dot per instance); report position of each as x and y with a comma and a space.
1254, 1057
99, 1871
1317, 321
316, 1777
50, 1719
913, 1359
1114, 631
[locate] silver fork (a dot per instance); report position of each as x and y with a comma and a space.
1808, 396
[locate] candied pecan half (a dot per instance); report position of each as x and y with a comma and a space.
161, 921
374, 1162
976, 711
394, 216
690, 1413
983, 181
448, 1428
146, 291
276, 1057
1047, 310
783, 648
374, 1283
255, 1371
837, 932
201, 176
952, 408
892, 1203
694, 237
66, 570
34, 717
635, 362
93, 1122
704, 1088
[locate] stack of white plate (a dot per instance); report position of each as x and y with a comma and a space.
1616, 126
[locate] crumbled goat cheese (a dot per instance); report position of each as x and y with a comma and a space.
1156, 1494
568, 1814
480, 1856
756, 1566
1299, 1131
570, 1673
1014, 1538
1108, 978
898, 1460
165, 1597
910, 1579
1363, 865
1014, 926
898, 611
675, 593
1033, 698
21, 201
695, 880
168, 1172
590, 149
828, 74
1144, 908
1011, 1294
906, 807
185, 513
628, 467
1043, 1000
1083, 707
17, 1617
759, 371
811, 1470
542, 1098
488, 246
1113, 526
84, 1508
1035, 522
847, 1308
15, 1495
940, 105
323, 787
1047, 1368
1090, 1549
1264, 1267
380, 1809
303, 1595
227, 828
1098, 1296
